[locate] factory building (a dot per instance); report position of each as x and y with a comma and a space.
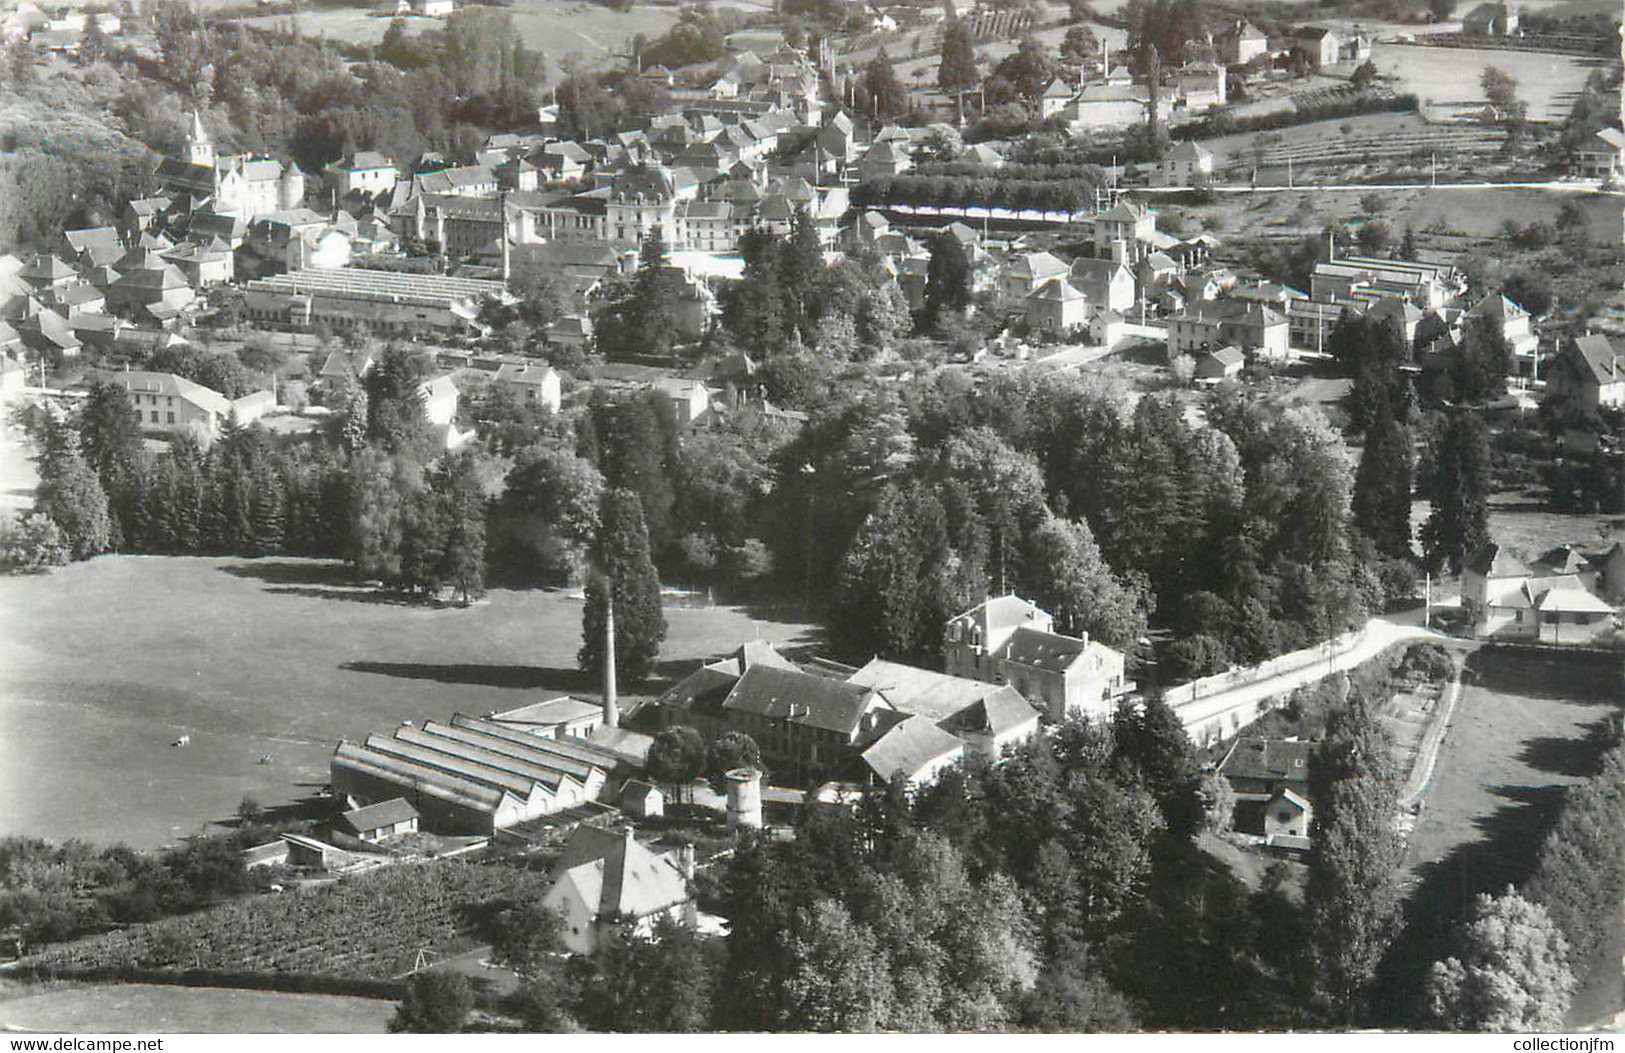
476, 774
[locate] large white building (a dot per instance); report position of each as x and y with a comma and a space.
1008, 640
233, 184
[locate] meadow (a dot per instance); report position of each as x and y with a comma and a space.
571, 34
136, 1009
1547, 83
104, 664
1519, 735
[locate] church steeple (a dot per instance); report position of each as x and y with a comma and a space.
199, 150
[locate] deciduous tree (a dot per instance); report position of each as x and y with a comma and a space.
1511, 974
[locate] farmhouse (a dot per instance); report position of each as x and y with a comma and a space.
1270, 778
1008, 640
1187, 164
1318, 45
607, 878
1241, 42
1602, 156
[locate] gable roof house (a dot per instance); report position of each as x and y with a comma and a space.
607, 878
1108, 284
1188, 163
1024, 273
1270, 778
1590, 371
1057, 307
376, 822
1318, 45
164, 402
1513, 321
1602, 156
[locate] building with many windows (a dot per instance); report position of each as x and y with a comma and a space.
1008, 640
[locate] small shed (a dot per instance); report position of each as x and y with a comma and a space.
642, 800
1217, 365
273, 854
308, 852
378, 821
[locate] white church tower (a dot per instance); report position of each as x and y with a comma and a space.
199, 150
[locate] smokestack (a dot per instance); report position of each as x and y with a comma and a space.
502, 221
612, 711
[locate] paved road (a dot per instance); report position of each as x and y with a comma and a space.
1378, 636
1562, 186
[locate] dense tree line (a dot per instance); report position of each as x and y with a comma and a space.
1064, 191
50, 893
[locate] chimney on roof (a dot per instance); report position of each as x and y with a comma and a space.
685, 861
627, 836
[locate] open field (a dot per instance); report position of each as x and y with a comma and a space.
104, 664
156, 1008
1517, 738
1547, 83
1477, 212
589, 34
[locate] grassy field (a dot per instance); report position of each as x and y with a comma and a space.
1547, 83
1475, 212
104, 664
1517, 738
586, 34
148, 1009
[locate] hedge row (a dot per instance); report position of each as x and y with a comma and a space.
1056, 195
1225, 123
288, 983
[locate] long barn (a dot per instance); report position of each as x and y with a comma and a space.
474, 775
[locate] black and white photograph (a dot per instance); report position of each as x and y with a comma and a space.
892, 517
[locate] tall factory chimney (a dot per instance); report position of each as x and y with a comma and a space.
612, 710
